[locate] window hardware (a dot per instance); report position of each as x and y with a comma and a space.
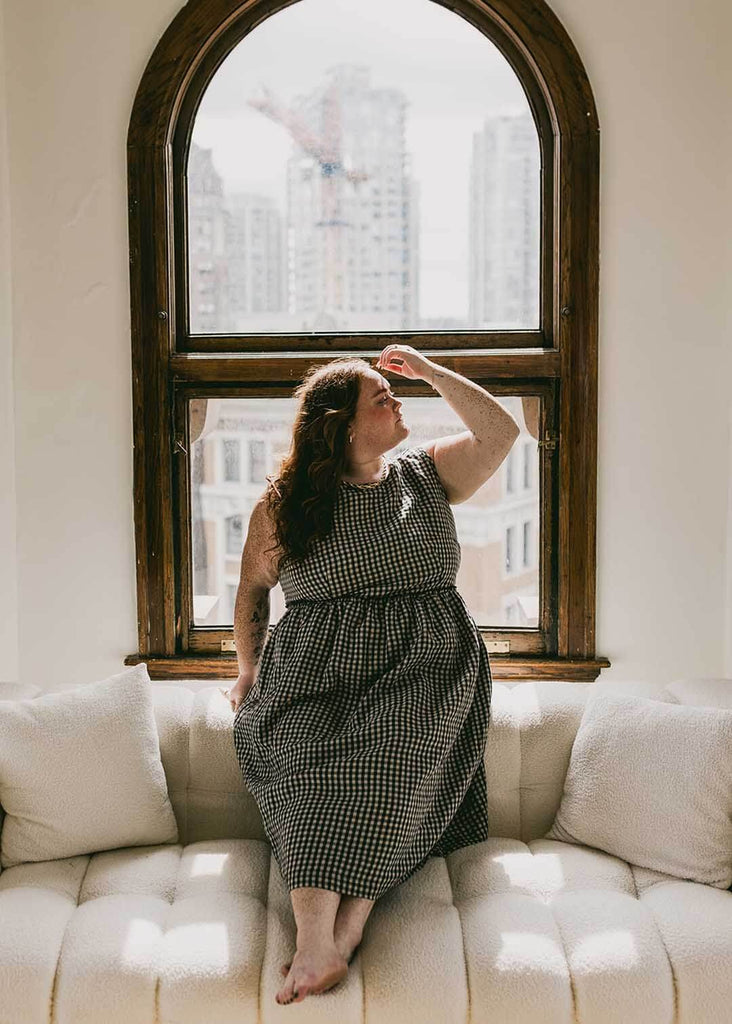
548, 442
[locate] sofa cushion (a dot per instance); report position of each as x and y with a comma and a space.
80, 771
498, 931
707, 690
18, 691
651, 782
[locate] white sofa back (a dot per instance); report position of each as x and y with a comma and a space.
533, 726
530, 739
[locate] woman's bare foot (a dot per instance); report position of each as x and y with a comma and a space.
346, 942
312, 971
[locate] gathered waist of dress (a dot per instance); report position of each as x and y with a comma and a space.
363, 595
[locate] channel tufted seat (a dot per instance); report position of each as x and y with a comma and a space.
515, 929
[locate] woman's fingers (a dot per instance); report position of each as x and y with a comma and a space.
402, 351
396, 360
384, 357
233, 704
226, 693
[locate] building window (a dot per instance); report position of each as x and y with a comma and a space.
510, 531
509, 464
528, 451
232, 455
234, 535
257, 462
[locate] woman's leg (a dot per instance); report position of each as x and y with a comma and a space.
351, 917
317, 964
315, 914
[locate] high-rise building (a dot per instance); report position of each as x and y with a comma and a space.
504, 224
352, 209
256, 259
206, 243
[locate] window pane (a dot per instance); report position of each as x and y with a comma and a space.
498, 528
340, 186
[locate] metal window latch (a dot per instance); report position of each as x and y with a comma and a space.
548, 442
179, 445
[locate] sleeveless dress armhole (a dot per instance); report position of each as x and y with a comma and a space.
420, 458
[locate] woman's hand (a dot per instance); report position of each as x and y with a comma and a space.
239, 690
407, 362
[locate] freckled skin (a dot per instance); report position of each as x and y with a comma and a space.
376, 428
464, 462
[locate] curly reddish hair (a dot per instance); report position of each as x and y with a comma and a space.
302, 498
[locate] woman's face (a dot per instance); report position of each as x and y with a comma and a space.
377, 426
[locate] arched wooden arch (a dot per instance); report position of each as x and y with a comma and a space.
557, 362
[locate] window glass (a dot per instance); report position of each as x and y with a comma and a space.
496, 527
335, 184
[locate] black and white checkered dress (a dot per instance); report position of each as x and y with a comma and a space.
362, 740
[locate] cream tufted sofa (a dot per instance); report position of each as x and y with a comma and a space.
517, 929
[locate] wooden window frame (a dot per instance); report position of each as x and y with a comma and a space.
558, 362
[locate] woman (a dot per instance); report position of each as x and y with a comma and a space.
362, 734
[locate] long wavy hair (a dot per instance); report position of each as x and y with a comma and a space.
302, 498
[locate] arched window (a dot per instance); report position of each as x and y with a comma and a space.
325, 177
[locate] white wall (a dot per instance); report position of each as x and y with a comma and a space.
8, 560
728, 566
659, 72
72, 72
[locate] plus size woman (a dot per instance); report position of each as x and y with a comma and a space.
360, 723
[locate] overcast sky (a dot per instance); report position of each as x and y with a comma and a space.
453, 77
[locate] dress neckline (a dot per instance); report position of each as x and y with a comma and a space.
372, 484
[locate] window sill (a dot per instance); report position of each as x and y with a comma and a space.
511, 668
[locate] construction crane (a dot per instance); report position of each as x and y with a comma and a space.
327, 150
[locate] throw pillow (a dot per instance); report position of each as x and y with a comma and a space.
80, 772
651, 782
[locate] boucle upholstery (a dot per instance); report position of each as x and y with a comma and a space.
81, 773
513, 930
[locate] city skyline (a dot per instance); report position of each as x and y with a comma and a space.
425, 46
236, 261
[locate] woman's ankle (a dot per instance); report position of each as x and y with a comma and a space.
314, 940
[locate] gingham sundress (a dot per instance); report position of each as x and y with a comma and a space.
362, 740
